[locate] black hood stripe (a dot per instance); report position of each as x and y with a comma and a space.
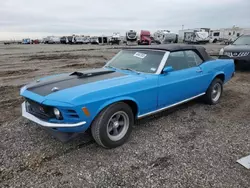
47, 86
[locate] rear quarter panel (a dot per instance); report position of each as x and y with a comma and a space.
213, 68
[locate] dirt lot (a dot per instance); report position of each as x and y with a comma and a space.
193, 145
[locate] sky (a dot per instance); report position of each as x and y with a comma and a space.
40, 18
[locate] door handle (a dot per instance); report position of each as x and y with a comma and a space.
199, 70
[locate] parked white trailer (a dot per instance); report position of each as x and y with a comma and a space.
53, 40
94, 40
181, 34
165, 36
196, 36
131, 37
227, 34
81, 40
115, 38
103, 39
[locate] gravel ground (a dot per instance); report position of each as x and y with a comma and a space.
193, 145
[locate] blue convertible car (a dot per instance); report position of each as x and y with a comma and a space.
136, 82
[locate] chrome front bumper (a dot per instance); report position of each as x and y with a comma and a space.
47, 124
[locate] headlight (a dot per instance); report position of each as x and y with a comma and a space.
57, 113
221, 51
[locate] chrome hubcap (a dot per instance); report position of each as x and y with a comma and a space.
118, 126
216, 92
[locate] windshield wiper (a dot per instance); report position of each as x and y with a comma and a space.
129, 69
111, 67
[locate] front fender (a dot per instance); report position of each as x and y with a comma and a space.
114, 100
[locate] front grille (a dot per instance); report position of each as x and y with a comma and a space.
237, 54
40, 111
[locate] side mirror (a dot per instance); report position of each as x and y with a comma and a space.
167, 69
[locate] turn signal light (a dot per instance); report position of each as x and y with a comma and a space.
85, 111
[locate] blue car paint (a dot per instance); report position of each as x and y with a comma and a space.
157, 90
213, 68
174, 88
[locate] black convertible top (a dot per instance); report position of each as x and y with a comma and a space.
176, 47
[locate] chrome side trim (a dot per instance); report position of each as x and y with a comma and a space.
163, 62
47, 124
170, 106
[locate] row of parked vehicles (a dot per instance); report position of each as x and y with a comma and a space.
131, 38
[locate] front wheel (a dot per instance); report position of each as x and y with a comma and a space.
113, 125
214, 92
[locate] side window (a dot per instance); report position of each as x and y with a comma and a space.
216, 34
192, 58
177, 60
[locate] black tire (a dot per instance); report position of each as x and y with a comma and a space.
208, 97
100, 125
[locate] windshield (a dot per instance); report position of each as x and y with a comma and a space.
244, 40
138, 60
131, 34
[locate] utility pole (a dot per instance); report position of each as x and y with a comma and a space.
182, 26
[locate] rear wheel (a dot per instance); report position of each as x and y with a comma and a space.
214, 92
113, 125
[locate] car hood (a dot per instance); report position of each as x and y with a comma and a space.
237, 48
67, 87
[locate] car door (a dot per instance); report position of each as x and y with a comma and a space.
183, 82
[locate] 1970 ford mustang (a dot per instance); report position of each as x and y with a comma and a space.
137, 82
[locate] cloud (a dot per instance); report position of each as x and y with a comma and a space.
58, 17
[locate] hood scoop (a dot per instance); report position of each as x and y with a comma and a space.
90, 74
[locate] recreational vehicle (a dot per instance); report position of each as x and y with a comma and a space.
64, 40
94, 40
115, 38
80, 40
165, 37
53, 40
131, 37
103, 40
227, 34
196, 37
